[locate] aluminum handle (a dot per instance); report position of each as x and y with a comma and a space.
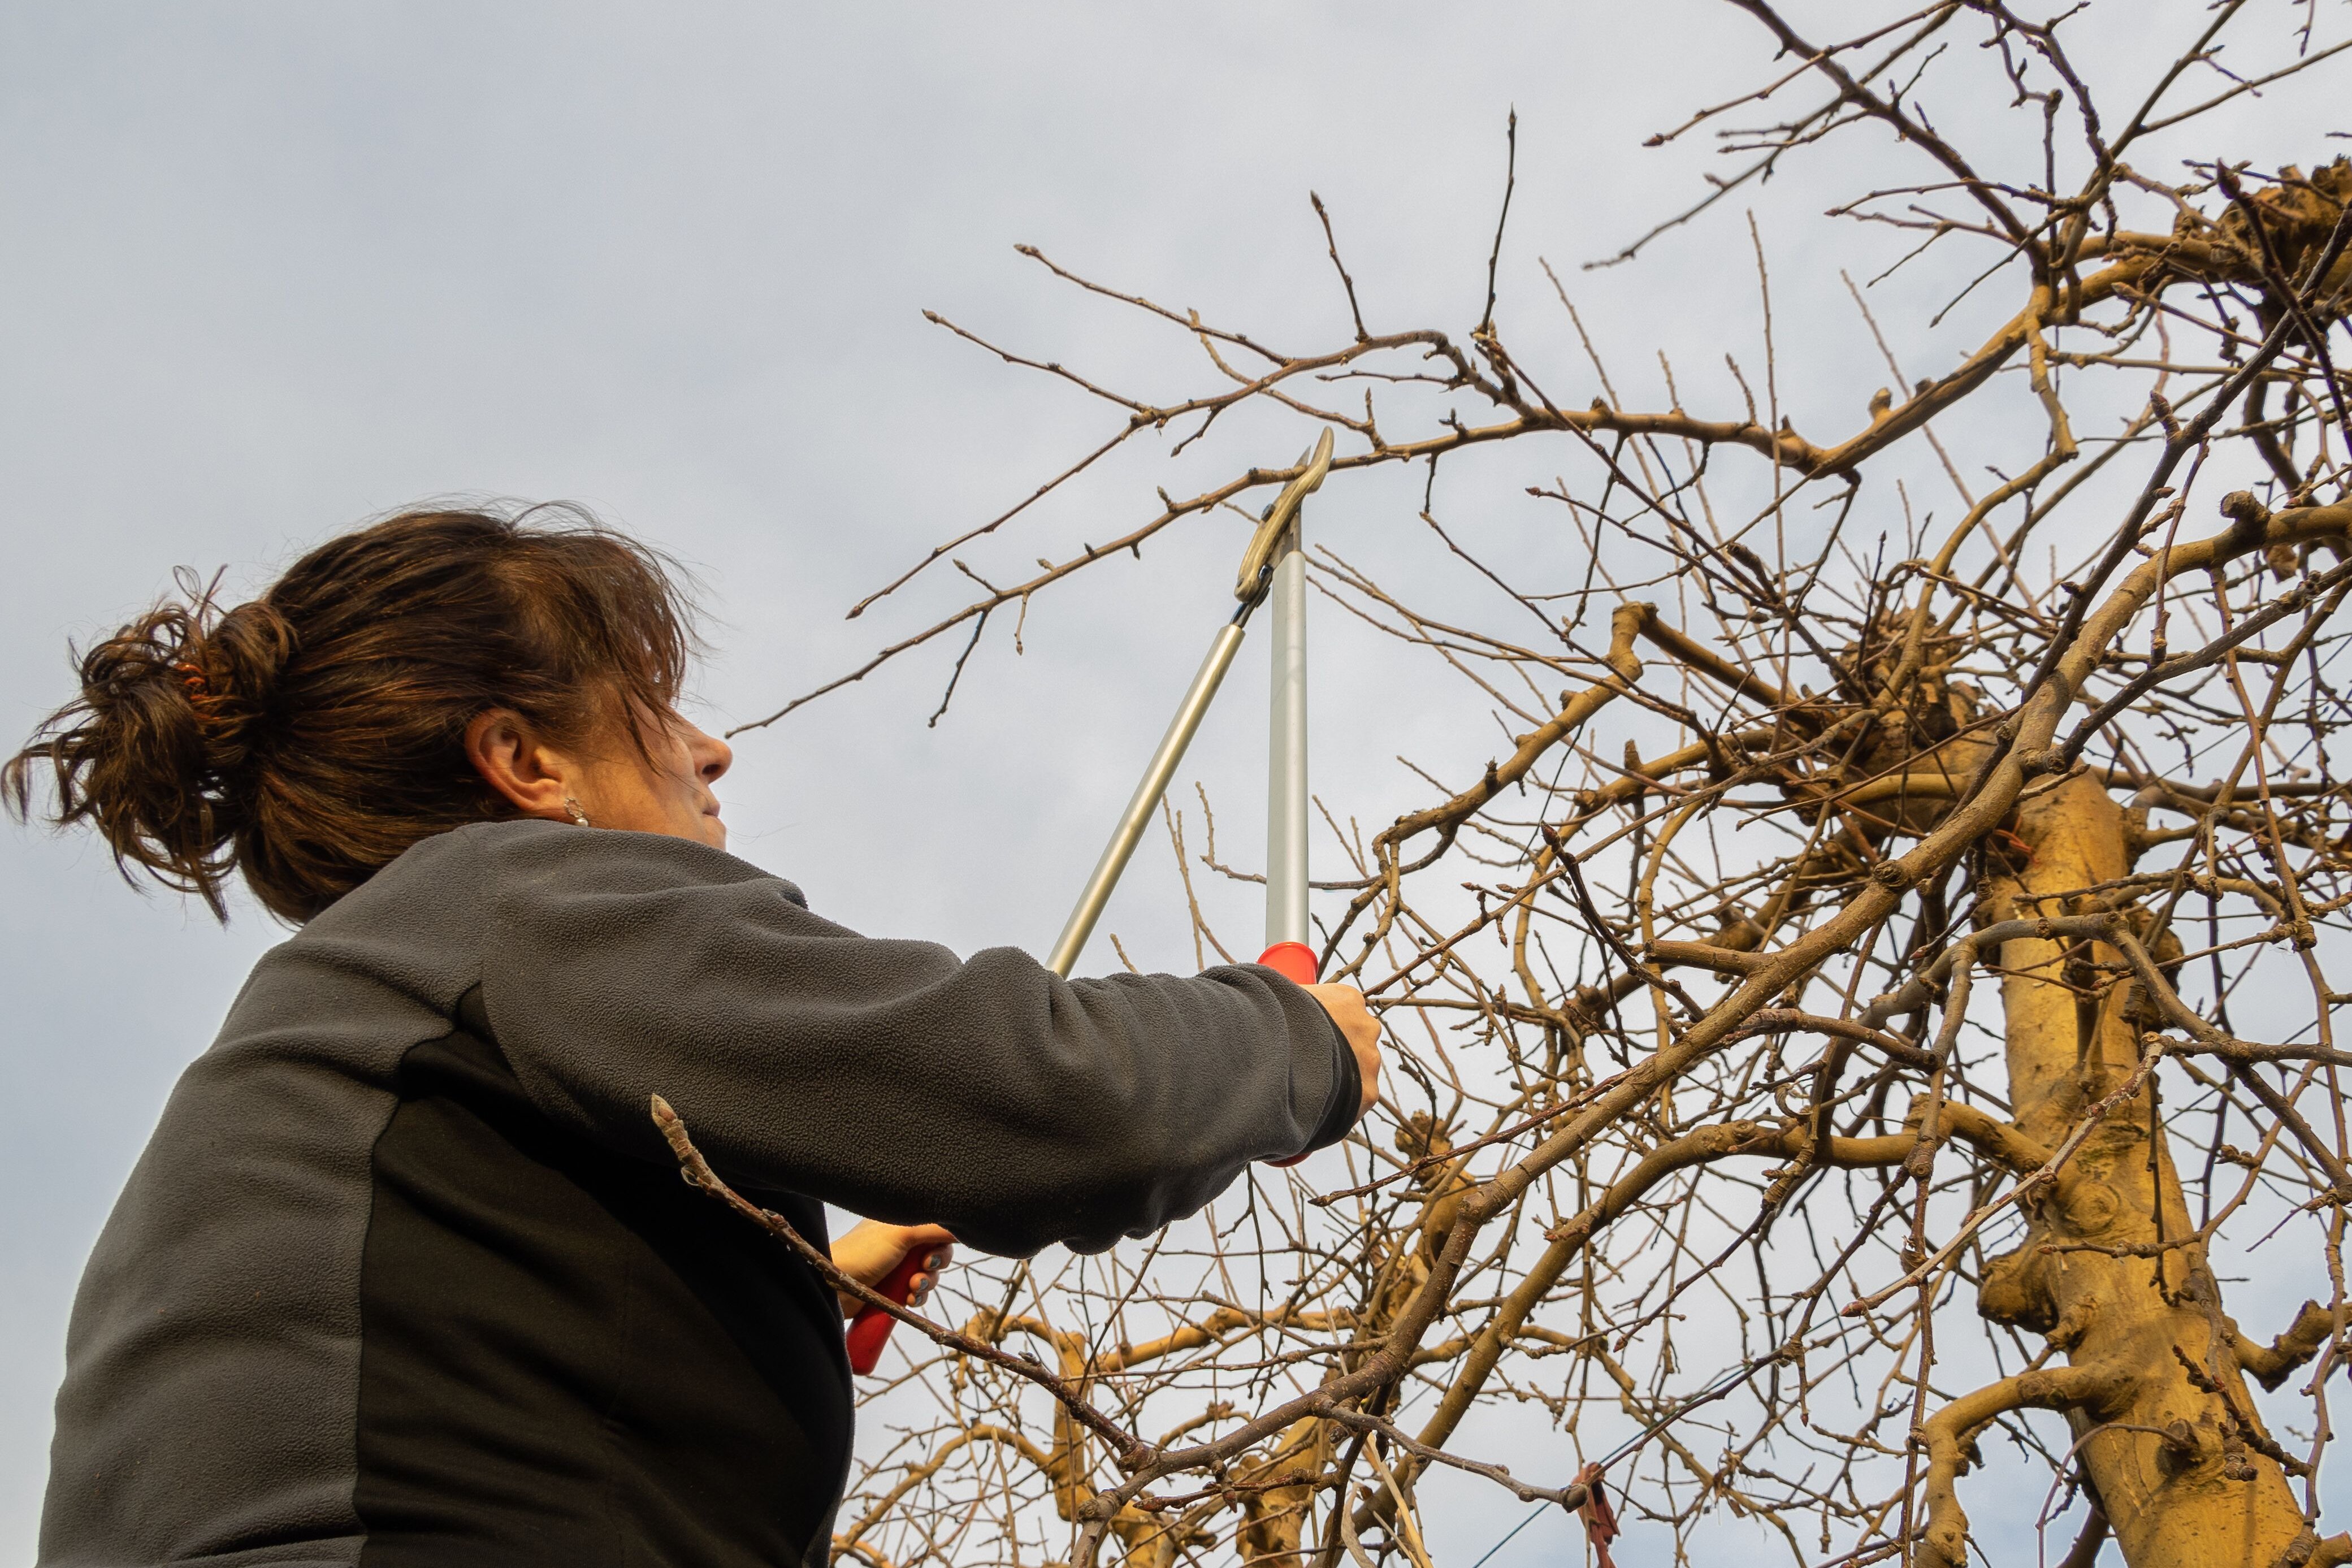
1146, 799
1285, 797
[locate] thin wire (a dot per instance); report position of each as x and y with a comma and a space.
1507, 1539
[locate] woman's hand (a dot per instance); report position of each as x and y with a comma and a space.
1361, 1031
868, 1251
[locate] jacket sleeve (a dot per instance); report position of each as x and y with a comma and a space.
887, 1076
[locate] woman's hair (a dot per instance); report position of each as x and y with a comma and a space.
307, 738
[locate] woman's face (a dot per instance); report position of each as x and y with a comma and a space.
655, 782
664, 787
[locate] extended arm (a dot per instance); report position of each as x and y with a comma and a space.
888, 1077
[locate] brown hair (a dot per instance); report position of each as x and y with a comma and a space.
307, 738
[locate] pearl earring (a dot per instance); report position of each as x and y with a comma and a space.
578, 814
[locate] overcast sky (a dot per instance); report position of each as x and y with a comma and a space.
270, 269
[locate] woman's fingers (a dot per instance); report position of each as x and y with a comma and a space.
870, 1252
928, 1281
938, 1250
1344, 1005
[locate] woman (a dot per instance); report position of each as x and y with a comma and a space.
407, 1275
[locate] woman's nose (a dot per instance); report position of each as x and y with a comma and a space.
712, 756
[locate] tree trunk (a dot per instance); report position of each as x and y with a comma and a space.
2178, 1460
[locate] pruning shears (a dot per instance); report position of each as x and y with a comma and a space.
1273, 572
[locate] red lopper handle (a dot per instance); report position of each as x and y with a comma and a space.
870, 1330
1295, 962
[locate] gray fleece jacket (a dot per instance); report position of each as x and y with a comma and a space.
405, 1276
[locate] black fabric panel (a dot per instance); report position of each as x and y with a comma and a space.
568, 1357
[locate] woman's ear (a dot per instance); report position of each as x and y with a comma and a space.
512, 760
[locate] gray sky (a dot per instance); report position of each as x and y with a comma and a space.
271, 269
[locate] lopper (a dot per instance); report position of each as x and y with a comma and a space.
1275, 569
1273, 572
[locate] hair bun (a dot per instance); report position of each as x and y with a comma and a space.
158, 750
228, 668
